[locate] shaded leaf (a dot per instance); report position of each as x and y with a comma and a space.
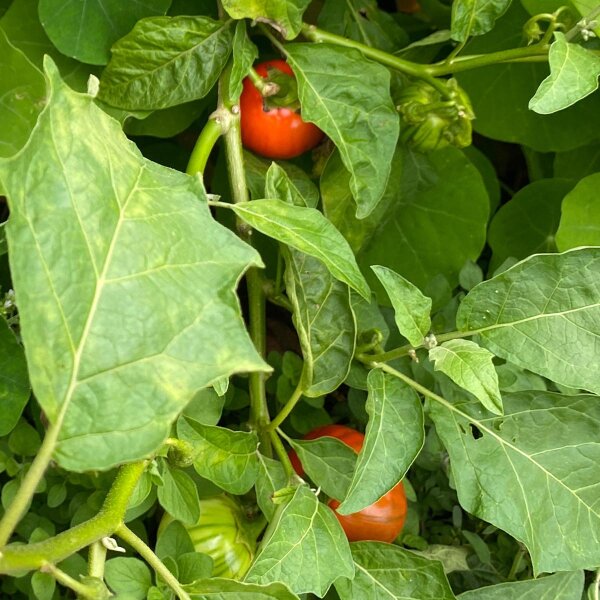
329, 463
279, 184
475, 17
388, 572
21, 97
283, 15
360, 119
307, 230
307, 551
573, 75
128, 576
104, 360
165, 61
534, 473
580, 220
411, 308
14, 382
227, 589
470, 366
178, 496
393, 439
86, 30
324, 321
543, 314
560, 586
225, 457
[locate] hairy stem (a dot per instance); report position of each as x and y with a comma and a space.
96, 560
25, 557
146, 553
81, 589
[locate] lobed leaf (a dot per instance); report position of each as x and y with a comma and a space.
534, 473
393, 439
543, 314
127, 303
307, 551
165, 61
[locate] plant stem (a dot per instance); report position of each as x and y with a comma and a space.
463, 63
96, 560
25, 557
282, 455
82, 590
596, 588
18, 507
259, 411
146, 553
287, 409
515, 565
206, 141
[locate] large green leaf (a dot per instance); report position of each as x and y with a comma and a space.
560, 586
387, 572
573, 75
580, 220
87, 29
471, 368
307, 551
393, 439
543, 314
324, 321
500, 95
227, 589
24, 30
527, 224
126, 300
434, 219
166, 61
21, 97
225, 457
307, 230
283, 15
535, 473
358, 115
475, 17
14, 383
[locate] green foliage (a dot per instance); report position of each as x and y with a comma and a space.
166, 340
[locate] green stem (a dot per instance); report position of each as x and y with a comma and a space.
82, 590
456, 65
585, 21
20, 503
266, 88
96, 560
288, 408
206, 141
259, 410
146, 553
405, 350
596, 588
282, 455
512, 574
25, 557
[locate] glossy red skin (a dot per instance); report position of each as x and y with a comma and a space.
383, 520
276, 133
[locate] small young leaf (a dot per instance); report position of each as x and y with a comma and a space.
43, 585
307, 551
192, 566
307, 230
393, 439
278, 184
573, 75
173, 541
382, 572
244, 55
225, 457
129, 576
470, 366
178, 496
411, 307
